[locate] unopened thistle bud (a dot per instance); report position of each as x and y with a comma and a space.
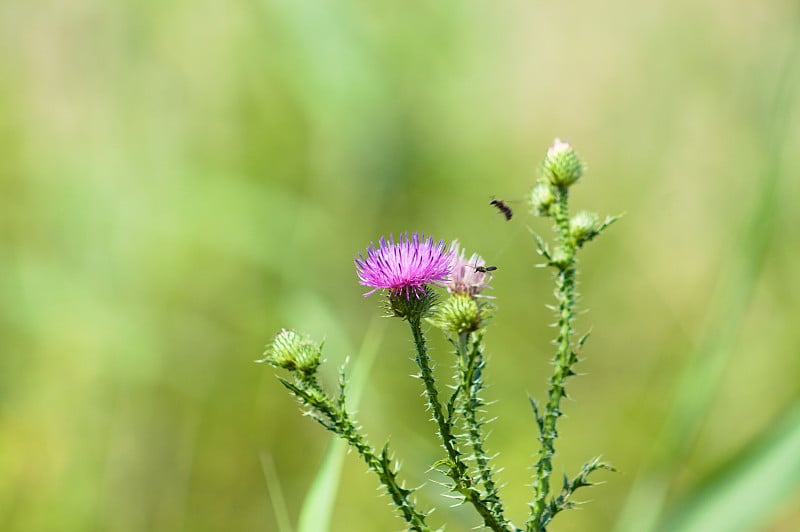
542, 198
461, 313
294, 352
561, 165
583, 227
560, 258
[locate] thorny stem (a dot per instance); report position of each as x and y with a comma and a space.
472, 364
564, 360
457, 469
338, 420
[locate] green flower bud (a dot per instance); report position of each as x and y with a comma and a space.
291, 351
561, 166
583, 227
559, 257
459, 314
542, 198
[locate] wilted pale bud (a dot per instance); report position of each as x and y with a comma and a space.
469, 275
583, 227
291, 351
542, 198
561, 165
459, 314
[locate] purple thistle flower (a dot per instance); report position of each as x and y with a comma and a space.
466, 278
404, 267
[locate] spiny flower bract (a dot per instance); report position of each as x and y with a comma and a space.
404, 267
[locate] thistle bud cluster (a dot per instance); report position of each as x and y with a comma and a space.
560, 170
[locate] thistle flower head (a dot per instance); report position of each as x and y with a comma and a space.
406, 267
467, 278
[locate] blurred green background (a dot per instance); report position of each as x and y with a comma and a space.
178, 180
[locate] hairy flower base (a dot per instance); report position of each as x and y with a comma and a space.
402, 306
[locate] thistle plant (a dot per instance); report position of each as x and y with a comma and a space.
408, 272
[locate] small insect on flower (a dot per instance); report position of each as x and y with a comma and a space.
469, 275
502, 207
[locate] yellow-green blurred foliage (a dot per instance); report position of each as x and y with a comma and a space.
178, 180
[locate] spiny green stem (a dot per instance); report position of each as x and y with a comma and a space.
562, 501
564, 359
471, 359
561, 216
457, 469
338, 420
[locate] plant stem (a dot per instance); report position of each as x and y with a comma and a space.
564, 360
457, 469
472, 364
338, 420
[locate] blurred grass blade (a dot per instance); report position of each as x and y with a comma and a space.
750, 489
275, 493
315, 514
731, 298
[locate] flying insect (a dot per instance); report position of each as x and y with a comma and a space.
502, 207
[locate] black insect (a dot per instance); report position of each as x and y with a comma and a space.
503, 208
485, 269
